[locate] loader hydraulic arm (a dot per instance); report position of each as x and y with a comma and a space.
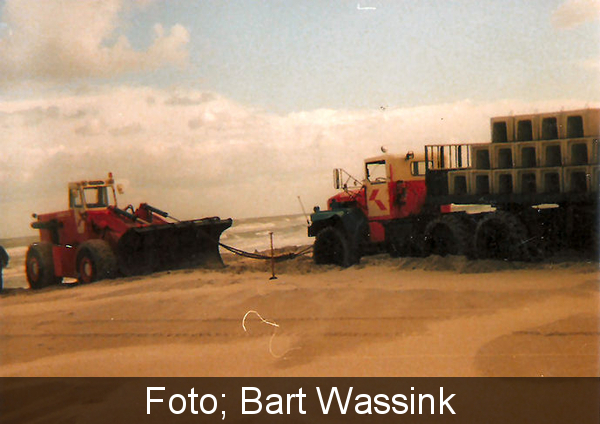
123, 213
155, 210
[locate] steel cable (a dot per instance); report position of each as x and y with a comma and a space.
284, 256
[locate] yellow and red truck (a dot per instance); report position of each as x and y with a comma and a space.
530, 191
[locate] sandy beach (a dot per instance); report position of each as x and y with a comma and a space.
385, 317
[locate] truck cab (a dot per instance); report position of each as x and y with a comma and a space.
393, 187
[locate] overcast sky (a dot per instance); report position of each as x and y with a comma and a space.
234, 108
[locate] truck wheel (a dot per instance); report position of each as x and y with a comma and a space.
332, 247
543, 233
405, 240
447, 235
39, 266
501, 235
95, 261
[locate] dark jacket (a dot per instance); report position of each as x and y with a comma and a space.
3, 257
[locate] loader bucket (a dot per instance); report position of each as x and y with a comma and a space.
152, 248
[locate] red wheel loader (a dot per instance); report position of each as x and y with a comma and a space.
95, 239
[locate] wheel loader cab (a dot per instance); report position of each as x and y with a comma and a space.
92, 195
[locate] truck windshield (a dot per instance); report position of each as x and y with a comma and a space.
96, 197
376, 172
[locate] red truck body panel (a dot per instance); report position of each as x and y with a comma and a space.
406, 198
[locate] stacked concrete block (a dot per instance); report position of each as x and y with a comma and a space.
552, 153
459, 183
527, 128
527, 155
502, 156
577, 179
551, 180
528, 180
480, 182
579, 151
503, 130
533, 154
504, 181
581, 123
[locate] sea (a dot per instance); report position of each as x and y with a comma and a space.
250, 234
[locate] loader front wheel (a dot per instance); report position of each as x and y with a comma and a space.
332, 247
39, 266
95, 261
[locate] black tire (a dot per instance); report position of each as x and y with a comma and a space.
405, 240
361, 241
332, 247
544, 232
501, 235
448, 235
39, 266
95, 261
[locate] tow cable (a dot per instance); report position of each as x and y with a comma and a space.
282, 257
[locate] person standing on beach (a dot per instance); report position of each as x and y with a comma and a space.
3, 263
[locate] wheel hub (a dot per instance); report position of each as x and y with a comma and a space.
34, 269
86, 269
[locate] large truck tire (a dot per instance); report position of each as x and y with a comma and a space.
501, 235
406, 238
448, 235
332, 247
545, 231
95, 261
39, 266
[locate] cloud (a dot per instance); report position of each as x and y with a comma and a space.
126, 130
62, 40
572, 13
178, 100
590, 65
92, 127
205, 154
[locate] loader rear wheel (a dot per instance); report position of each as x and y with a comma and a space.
39, 266
332, 247
95, 261
501, 235
447, 235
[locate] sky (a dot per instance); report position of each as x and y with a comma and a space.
235, 108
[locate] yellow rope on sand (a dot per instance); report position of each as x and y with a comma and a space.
274, 324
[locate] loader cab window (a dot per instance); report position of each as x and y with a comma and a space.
376, 172
96, 197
